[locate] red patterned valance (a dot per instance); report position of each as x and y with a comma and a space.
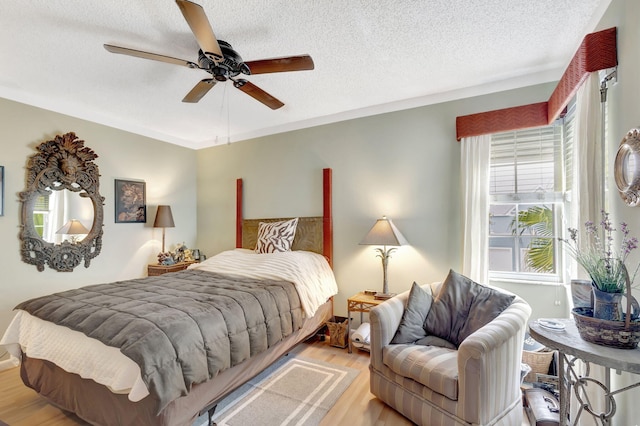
502, 120
597, 52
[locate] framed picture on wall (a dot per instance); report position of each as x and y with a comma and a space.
130, 201
1, 190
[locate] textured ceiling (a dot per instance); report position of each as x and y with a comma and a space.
370, 57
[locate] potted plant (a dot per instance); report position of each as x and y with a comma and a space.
610, 280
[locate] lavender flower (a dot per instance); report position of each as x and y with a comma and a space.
606, 268
573, 232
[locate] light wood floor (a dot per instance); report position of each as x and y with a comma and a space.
21, 406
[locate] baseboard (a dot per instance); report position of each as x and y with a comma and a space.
9, 363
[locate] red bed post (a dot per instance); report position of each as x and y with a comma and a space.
327, 216
239, 213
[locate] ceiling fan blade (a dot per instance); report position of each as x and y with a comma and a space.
147, 55
287, 63
199, 90
201, 28
257, 93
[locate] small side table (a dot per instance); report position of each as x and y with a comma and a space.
572, 347
359, 302
155, 269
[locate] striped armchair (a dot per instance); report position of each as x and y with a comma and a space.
477, 384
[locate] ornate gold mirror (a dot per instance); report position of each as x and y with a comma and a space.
626, 168
61, 206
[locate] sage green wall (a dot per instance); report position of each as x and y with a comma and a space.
405, 165
623, 115
168, 171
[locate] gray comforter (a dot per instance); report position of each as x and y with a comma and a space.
181, 328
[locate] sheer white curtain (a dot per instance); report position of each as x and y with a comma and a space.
589, 164
475, 161
55, 217
587, 201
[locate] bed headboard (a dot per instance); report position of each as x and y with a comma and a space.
312, 234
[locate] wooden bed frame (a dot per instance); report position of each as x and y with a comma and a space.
313, 233
97, 404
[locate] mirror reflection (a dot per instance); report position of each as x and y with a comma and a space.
630, 168
62, 216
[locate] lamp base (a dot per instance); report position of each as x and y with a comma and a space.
383, 296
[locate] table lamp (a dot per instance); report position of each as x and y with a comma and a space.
73, 227
384, 233
164, 219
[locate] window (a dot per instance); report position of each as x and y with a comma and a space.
41, 215
527, 200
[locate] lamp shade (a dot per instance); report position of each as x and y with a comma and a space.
73, 227
164, 218
384, 233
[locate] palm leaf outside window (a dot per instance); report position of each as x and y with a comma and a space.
538, 221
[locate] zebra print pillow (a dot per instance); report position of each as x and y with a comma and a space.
276, 236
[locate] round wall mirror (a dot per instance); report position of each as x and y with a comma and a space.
62, 211
626, 168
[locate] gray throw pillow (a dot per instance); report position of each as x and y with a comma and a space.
411, 326
462, 307
487, 304
435, 341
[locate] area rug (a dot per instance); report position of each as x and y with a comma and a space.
293, 391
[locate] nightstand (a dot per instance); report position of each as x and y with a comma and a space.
155, 270
359, 303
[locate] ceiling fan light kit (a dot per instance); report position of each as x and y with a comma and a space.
218, 58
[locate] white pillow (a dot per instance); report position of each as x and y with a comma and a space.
276, 236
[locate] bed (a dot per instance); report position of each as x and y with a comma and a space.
103, 386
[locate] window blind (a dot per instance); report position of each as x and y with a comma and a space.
523, 161
568, 140
42, 203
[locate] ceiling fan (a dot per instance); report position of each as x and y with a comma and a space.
218, 58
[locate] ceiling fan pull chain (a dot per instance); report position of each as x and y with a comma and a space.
228, 120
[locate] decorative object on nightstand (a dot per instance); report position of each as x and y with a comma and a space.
164, 219
155, 270
384, 233
182, 253
73, 228
196, 254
